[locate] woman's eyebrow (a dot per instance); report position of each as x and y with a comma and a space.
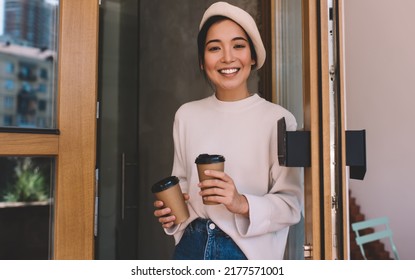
239, 38
212, 41
218, 41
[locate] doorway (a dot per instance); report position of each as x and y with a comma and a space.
144, 78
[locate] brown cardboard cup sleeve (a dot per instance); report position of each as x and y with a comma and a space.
168, 190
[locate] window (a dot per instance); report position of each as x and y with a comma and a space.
26, 188
43, 73
42, 88
27, 71
9, 67
8, 102
7, 120
9, 84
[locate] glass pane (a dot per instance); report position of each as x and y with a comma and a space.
26, 192
28, 58
289, 91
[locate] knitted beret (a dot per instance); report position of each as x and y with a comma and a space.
242, 18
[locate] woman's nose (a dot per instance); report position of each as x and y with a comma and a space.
228, 55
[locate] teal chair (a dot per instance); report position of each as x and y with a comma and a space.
381, 231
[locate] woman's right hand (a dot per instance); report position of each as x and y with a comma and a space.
164, 213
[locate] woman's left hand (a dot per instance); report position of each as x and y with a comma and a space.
221, 189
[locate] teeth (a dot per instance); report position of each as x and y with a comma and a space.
228, 71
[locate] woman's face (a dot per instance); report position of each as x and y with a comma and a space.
227, 58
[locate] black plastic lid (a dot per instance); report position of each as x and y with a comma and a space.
164, 184
206, 159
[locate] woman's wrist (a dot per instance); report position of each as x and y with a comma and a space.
244, 211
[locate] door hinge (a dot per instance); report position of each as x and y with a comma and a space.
308, 251
334, 202
97, 109
96, 203
332, 72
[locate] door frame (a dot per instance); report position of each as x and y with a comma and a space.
342, 90
75, 146
77, 86
312, 216
319, 231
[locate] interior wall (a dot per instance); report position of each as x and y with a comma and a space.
380, 67
168, 77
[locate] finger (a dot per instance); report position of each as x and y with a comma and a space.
217, 174
210, 183
158, 203
167, 220
168, 225
162, 212
212, 191
213, 198
186, 196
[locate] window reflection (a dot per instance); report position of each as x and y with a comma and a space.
26, 191
28, 57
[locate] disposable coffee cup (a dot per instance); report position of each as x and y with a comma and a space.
168, 190
209, 162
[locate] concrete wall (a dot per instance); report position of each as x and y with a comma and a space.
380, 97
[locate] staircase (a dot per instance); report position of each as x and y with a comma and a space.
374, 250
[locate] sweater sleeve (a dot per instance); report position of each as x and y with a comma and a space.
179, 166
281, 206
179, 161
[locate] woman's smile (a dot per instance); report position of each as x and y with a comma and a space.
229, 71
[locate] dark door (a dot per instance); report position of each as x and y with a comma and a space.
117, 164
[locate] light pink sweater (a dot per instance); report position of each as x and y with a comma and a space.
245, 133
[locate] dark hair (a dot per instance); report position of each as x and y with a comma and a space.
201, 40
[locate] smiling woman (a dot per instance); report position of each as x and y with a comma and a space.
252, 213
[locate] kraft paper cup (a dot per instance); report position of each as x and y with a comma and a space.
168, 190
209, 162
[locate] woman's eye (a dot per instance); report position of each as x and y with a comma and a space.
239, 46
214, 48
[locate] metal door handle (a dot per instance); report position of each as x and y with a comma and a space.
122, 186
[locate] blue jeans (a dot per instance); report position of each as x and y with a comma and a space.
204, 240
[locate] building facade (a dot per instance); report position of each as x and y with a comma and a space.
26, 87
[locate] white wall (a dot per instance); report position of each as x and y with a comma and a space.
380, 97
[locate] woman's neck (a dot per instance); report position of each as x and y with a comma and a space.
232, 95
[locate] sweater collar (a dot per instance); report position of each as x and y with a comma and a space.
235, 105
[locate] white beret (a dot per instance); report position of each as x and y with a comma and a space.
242, 18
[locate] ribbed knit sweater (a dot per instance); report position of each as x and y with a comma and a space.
245, 133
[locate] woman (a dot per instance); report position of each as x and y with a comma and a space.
258, 199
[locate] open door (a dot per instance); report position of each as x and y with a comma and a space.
68, 140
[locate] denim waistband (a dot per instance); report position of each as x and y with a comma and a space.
206, 226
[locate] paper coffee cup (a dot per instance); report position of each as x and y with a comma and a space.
168, 190
209, 162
